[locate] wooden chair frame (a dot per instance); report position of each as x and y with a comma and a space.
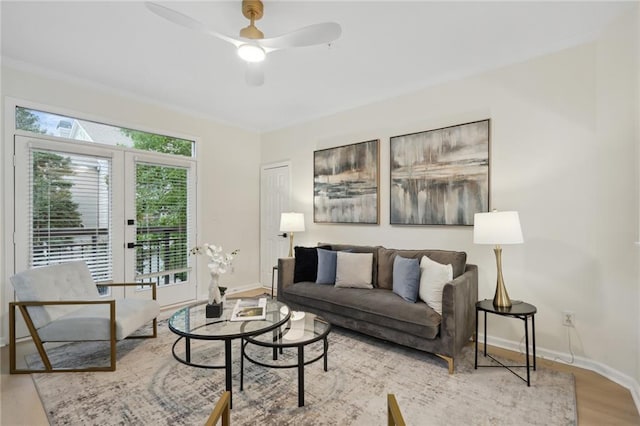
40, 344
222, 410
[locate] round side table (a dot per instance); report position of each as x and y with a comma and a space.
522, 311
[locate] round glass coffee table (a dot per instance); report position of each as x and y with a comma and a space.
191, 323
302, 329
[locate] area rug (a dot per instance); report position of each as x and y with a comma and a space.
150, 387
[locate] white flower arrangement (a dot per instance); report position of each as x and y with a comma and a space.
219, 263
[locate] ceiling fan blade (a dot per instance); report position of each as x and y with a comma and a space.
306, 36
254, 75
188, 22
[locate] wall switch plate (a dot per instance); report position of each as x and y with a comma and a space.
568, 319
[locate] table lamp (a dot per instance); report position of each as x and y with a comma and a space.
290, 223
498, 228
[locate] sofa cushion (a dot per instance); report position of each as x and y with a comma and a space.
406, 278
359, 249
433, 277
375, 306
326, 266
457, 259
354, 270
91, 322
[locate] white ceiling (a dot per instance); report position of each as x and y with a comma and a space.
386, 48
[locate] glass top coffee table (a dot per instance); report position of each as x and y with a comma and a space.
302, 329
191, 323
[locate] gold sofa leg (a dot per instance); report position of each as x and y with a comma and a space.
449, 361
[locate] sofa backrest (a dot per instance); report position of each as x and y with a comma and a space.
457, 259
64, 281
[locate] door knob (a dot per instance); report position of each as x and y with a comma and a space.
284, 235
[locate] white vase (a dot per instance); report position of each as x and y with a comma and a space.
214, 289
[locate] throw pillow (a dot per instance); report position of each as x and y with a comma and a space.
306, 265
327, 260
406, 278
433, 277
354, 269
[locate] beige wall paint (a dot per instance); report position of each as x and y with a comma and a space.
562, 153
228, 163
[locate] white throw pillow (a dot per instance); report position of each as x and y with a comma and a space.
354, 270
433, 277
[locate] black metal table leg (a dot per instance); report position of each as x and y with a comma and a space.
187, 349
475, 366
227, 369
533, 339
241, 364
300, 375
485, 333
526, 345
326, 353
276, 338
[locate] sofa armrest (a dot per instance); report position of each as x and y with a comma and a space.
286, 267
459, 299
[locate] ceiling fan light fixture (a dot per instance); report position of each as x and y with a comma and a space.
251, 53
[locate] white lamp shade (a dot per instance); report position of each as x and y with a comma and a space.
497, 228
291, 222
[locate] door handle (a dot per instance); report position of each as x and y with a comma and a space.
283, 235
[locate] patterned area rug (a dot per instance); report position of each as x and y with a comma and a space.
150, 387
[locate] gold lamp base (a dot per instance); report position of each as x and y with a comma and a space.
501, 298
290, 244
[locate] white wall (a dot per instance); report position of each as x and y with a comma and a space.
228, 167
563, 154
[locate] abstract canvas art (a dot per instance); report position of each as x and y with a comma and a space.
345, 184
440, 177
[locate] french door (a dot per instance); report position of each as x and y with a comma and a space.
129, 215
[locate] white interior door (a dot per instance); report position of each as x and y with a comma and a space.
274, 199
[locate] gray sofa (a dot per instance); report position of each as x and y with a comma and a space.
380, 313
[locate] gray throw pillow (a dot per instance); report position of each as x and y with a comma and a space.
354, 270
326, 266
406, 278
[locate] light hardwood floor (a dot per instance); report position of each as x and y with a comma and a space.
600, 401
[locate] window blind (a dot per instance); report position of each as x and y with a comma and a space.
70, 211
162, 223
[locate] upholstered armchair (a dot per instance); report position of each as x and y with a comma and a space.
61, 303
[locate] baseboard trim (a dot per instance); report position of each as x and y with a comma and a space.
247, 287
612, 374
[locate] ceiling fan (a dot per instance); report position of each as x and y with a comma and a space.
251, 45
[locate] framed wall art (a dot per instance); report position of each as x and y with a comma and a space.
346, 183
441, 176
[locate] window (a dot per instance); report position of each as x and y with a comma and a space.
50, 124
121, 200
161, 214
70, 214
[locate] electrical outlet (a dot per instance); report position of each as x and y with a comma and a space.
568, 319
